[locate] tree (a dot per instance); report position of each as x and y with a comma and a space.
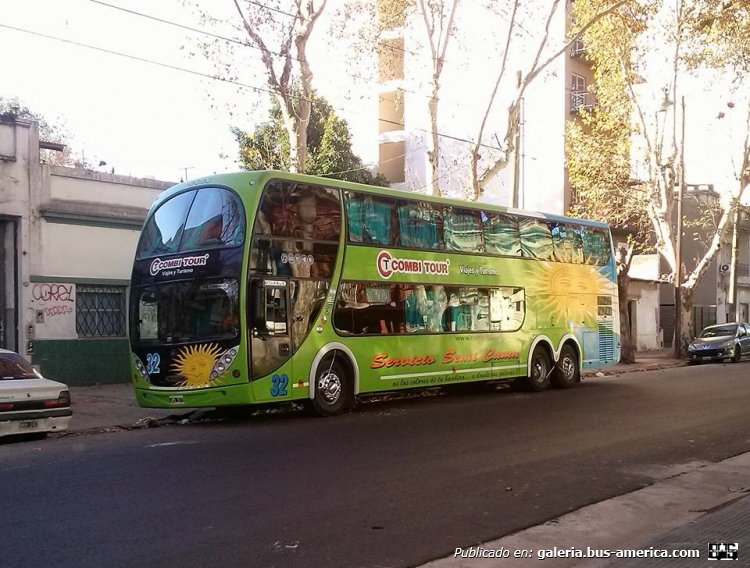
438, 21
48, 132
280, 30
328, 142
659, 144
598, 146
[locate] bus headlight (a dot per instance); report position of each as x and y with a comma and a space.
140, 367
223, 362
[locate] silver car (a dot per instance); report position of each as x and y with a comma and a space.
29, 403
721, 342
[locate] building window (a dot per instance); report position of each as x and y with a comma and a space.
392, 161
390, 59
577, 49
391, 116
100, 311
579, 97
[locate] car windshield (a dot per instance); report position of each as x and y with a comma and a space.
13, 366
719, 330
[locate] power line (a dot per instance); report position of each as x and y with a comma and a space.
244, 43
136, 58
189, 28
215, 78
250, 45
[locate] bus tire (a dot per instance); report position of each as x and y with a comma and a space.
333, 389
539, 377
566, 370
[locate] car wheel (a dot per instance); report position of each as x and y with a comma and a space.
566, 369
538, 379
737, 354
333, 389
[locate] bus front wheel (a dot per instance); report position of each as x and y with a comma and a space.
566, 369
538, 379
333, 391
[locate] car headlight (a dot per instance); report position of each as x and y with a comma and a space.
691, 347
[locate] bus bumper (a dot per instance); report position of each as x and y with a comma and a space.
194, 398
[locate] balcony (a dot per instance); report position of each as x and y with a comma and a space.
581, 100
577, 49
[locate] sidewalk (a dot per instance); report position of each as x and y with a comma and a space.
113, 407
704, 505
644, 361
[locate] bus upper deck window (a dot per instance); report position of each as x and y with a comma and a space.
163, 231
536, 239
215, 219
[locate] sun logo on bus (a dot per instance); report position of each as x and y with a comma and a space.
567, 292
194, 363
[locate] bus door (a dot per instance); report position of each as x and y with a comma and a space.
269, 327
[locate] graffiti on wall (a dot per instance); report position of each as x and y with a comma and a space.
54, 309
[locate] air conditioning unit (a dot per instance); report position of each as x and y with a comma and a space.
724, 269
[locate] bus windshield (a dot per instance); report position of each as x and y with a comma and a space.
194, 220
185, 311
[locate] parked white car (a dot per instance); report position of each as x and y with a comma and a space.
29, 403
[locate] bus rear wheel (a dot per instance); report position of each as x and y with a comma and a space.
538, 379
566, 370
333, 391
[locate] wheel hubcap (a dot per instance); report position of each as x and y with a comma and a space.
568, 368
539, 372
329, 387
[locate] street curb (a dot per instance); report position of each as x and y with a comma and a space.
633, 368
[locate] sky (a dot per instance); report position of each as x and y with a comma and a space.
141, 119
147, 120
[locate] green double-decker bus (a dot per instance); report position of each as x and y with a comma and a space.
263, 287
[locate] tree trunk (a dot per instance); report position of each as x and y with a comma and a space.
433, 152
686, 319
627, 347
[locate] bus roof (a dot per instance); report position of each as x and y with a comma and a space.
237, 180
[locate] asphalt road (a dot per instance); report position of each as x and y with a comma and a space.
393, 484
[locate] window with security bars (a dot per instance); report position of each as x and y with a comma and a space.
100, 311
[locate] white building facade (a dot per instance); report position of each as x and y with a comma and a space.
67, 241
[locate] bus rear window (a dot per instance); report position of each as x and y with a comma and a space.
194, 220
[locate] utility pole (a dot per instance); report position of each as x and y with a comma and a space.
733, 263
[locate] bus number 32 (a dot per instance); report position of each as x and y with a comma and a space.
279, 384
152, 363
